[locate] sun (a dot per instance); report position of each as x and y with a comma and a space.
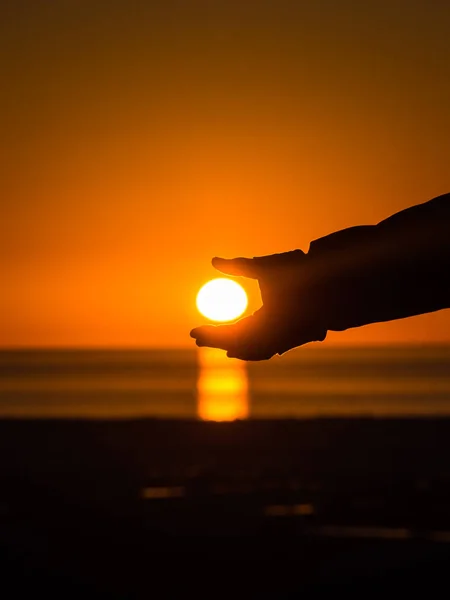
222, 300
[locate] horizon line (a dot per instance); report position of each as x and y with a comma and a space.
141, 347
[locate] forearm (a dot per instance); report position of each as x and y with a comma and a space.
396, 269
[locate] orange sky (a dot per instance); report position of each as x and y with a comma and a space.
140, 139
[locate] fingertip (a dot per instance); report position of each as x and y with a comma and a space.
217, 262
236, 267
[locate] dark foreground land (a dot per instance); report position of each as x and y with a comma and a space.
143, 509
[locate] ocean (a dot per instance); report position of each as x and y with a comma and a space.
315, 381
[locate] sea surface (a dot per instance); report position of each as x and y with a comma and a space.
316, 381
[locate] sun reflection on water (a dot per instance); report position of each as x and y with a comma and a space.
222, 387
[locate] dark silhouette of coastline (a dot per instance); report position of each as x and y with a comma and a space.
133, 509
361, 275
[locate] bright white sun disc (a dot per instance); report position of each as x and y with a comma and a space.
221, 300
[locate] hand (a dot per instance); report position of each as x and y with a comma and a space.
287, 318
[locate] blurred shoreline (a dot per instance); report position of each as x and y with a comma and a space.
119, 466
113, 506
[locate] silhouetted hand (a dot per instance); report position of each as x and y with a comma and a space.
287, 318
353, 277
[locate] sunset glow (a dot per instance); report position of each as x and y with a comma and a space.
159, 138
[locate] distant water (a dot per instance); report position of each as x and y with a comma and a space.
313, 381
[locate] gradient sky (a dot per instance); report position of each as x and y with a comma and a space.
139, 139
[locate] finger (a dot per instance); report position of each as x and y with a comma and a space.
245, 267
247, 339
215, 336
258, 266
